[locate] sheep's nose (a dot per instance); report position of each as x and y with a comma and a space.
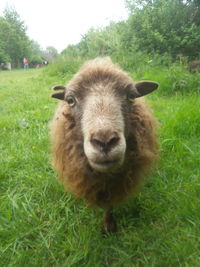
104, 141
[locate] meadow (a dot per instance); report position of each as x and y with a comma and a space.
41, 225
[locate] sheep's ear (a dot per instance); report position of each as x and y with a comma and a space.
59, 95
145, 87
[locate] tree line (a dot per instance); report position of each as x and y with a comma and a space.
168, 30
163, 30
15, 43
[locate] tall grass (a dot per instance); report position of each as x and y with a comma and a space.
41, 225
173, 78
64, 66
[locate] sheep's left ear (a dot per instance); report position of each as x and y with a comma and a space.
59, 95
145, 87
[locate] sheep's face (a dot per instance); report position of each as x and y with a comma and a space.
103, 129
101, 108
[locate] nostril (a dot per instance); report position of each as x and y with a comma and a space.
113, 142
98, 143
104, 146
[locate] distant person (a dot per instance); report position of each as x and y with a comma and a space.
25, 60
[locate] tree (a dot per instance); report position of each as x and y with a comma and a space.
36, 53
154, 27
14, 42
165, 26
13, 39
4, 30
50, 53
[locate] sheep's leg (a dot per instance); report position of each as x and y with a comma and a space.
109, 224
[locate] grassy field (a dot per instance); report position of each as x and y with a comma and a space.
41, 225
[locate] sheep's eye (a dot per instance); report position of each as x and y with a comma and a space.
71, 101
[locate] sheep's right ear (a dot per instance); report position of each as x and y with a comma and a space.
59, 95
145, 87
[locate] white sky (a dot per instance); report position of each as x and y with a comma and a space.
61, 22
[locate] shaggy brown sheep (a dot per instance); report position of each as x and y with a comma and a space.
103, 135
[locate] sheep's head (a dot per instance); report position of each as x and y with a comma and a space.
100, 98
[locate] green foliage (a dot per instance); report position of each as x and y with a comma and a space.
4, 32
165, 29
3, 56
64, 66
98, 42
15, 44
173, 80
13, 35
165, 26
13, 18
35, 56
41, 225
36, 60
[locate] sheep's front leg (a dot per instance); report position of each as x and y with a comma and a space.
109, 224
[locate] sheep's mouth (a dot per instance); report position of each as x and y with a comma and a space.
105, 165
106, 162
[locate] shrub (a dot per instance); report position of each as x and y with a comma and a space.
64, 65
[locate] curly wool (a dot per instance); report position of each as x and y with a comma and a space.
102, 189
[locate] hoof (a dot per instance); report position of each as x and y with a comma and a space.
109, 225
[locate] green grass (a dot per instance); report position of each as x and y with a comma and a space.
41, 225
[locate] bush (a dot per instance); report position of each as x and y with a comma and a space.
36, 60
175, 79
63, 65
3, 56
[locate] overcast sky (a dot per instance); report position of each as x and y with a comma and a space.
61, 22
